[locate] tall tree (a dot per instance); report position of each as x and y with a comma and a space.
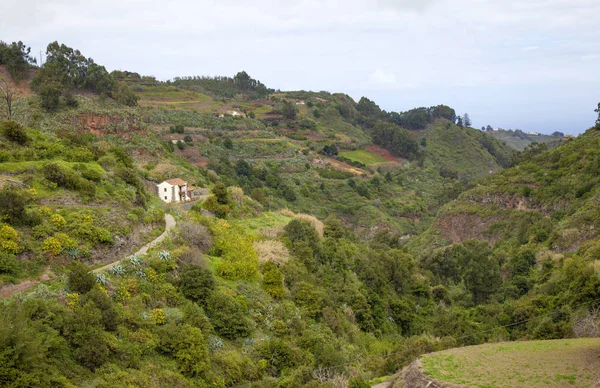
8, 95
459, 121
598, 111
16, 58
467, 120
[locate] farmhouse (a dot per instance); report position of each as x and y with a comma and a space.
175, 190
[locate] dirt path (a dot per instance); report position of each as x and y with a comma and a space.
385, 384
169, 224
8, 291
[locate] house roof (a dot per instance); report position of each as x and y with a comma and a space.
176, 182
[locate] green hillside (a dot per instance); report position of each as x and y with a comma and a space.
520, 140
332, 242
535, 364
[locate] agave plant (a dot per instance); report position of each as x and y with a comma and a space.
118, 270
73, 253
141, 274
136, 260
164, 255
101, 278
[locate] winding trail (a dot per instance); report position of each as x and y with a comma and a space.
8, 291
169, 224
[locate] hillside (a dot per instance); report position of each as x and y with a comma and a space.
536, 364
332, 242
520, 140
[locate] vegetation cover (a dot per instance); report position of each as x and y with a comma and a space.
294, 267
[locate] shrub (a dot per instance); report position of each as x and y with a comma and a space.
271, 251
52, 246
12, 205
80, 278
14, 132
301, 231
49, 93
273, 281
57, 220
195, 234
212, 205
9, 240
227, 316
314, 221
238, 257
8, 263
237, 195
309, 299
196, 283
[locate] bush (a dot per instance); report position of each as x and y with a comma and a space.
196, 283
195, 234
14, 132
52, 246
228, 317
124, 95
271, 251
12, 205
212, 205
301, 231
8, 263
9, 240
273, 281
80, 278
50, 92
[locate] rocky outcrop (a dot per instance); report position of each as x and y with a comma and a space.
412, 376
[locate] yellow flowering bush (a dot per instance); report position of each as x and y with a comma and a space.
58, 220
151, 274
9, 240
158, 316
52, 246
123, 294
72, 300
66, 241
46, 211
33, 193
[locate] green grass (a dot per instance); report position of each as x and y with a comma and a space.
363, 156
557, 363
266, 220
31, 165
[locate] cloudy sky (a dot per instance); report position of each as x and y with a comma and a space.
529, 64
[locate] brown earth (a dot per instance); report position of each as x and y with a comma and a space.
102, 124
459, 227
385, 154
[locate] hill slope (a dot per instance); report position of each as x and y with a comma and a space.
536, 364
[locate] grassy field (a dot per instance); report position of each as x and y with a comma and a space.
558, 363
363, 156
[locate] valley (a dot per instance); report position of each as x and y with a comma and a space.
330, 243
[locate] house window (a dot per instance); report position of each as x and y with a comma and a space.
165, 197
165, 189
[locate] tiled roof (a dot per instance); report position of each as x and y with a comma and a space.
176, 182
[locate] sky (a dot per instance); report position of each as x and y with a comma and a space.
527, 64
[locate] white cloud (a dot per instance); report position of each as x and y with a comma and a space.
380, 77
590, 57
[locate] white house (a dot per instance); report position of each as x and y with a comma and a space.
175, 190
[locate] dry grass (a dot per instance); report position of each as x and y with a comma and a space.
271, 250
314, 221
237, 194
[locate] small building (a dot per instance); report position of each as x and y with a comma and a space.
175, 190
534, 133
321, 100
